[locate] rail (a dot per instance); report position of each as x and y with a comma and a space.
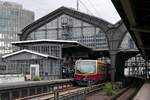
124, 94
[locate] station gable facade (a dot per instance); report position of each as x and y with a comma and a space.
69, 24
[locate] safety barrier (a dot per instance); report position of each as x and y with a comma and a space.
70, 94
11, 91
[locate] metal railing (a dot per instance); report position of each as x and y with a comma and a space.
70, 94
26, 89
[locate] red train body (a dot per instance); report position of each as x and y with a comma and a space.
90, 71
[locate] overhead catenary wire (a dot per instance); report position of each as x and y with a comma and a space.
86, 7
93, 6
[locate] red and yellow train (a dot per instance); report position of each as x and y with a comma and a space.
91, 71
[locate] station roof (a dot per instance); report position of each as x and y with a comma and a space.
136, 16
66, 44
31, 52
44, 41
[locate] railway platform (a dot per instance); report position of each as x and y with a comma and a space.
14, 85
143, 93
15, 90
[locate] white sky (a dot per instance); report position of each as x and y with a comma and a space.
100, 8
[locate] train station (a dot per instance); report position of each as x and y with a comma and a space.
71, 55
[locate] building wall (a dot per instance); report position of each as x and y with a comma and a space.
54, 72
12, 19
69, 28
48, 68
21, 66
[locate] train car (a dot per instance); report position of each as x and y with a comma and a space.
90, 71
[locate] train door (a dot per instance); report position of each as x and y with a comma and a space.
99, 70
105, 71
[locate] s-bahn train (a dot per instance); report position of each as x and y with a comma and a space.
91, 71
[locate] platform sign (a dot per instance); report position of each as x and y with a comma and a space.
34, 70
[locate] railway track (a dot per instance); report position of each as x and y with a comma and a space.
124, 94
63, 94
128, 95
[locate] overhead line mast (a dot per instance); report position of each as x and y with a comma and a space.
77, 5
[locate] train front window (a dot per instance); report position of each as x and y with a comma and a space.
86, 67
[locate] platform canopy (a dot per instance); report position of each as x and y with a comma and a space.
66, 44
136, 16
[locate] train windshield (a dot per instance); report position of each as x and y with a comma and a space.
86, 67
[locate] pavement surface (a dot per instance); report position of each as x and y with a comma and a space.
144, 93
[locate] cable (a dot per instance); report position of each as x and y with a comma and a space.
93, 6
85, 7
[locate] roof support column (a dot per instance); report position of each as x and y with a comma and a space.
115, 37
45, 67
113, 54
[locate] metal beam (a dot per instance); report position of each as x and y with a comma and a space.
126, 4
145, 47
140, 29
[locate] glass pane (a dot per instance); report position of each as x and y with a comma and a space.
31, 36
128, 43
88, 31
86, 24
60, 34
76, 23
76, 32
52, 34
52, 24
40, 35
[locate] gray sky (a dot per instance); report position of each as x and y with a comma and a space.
100, 8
